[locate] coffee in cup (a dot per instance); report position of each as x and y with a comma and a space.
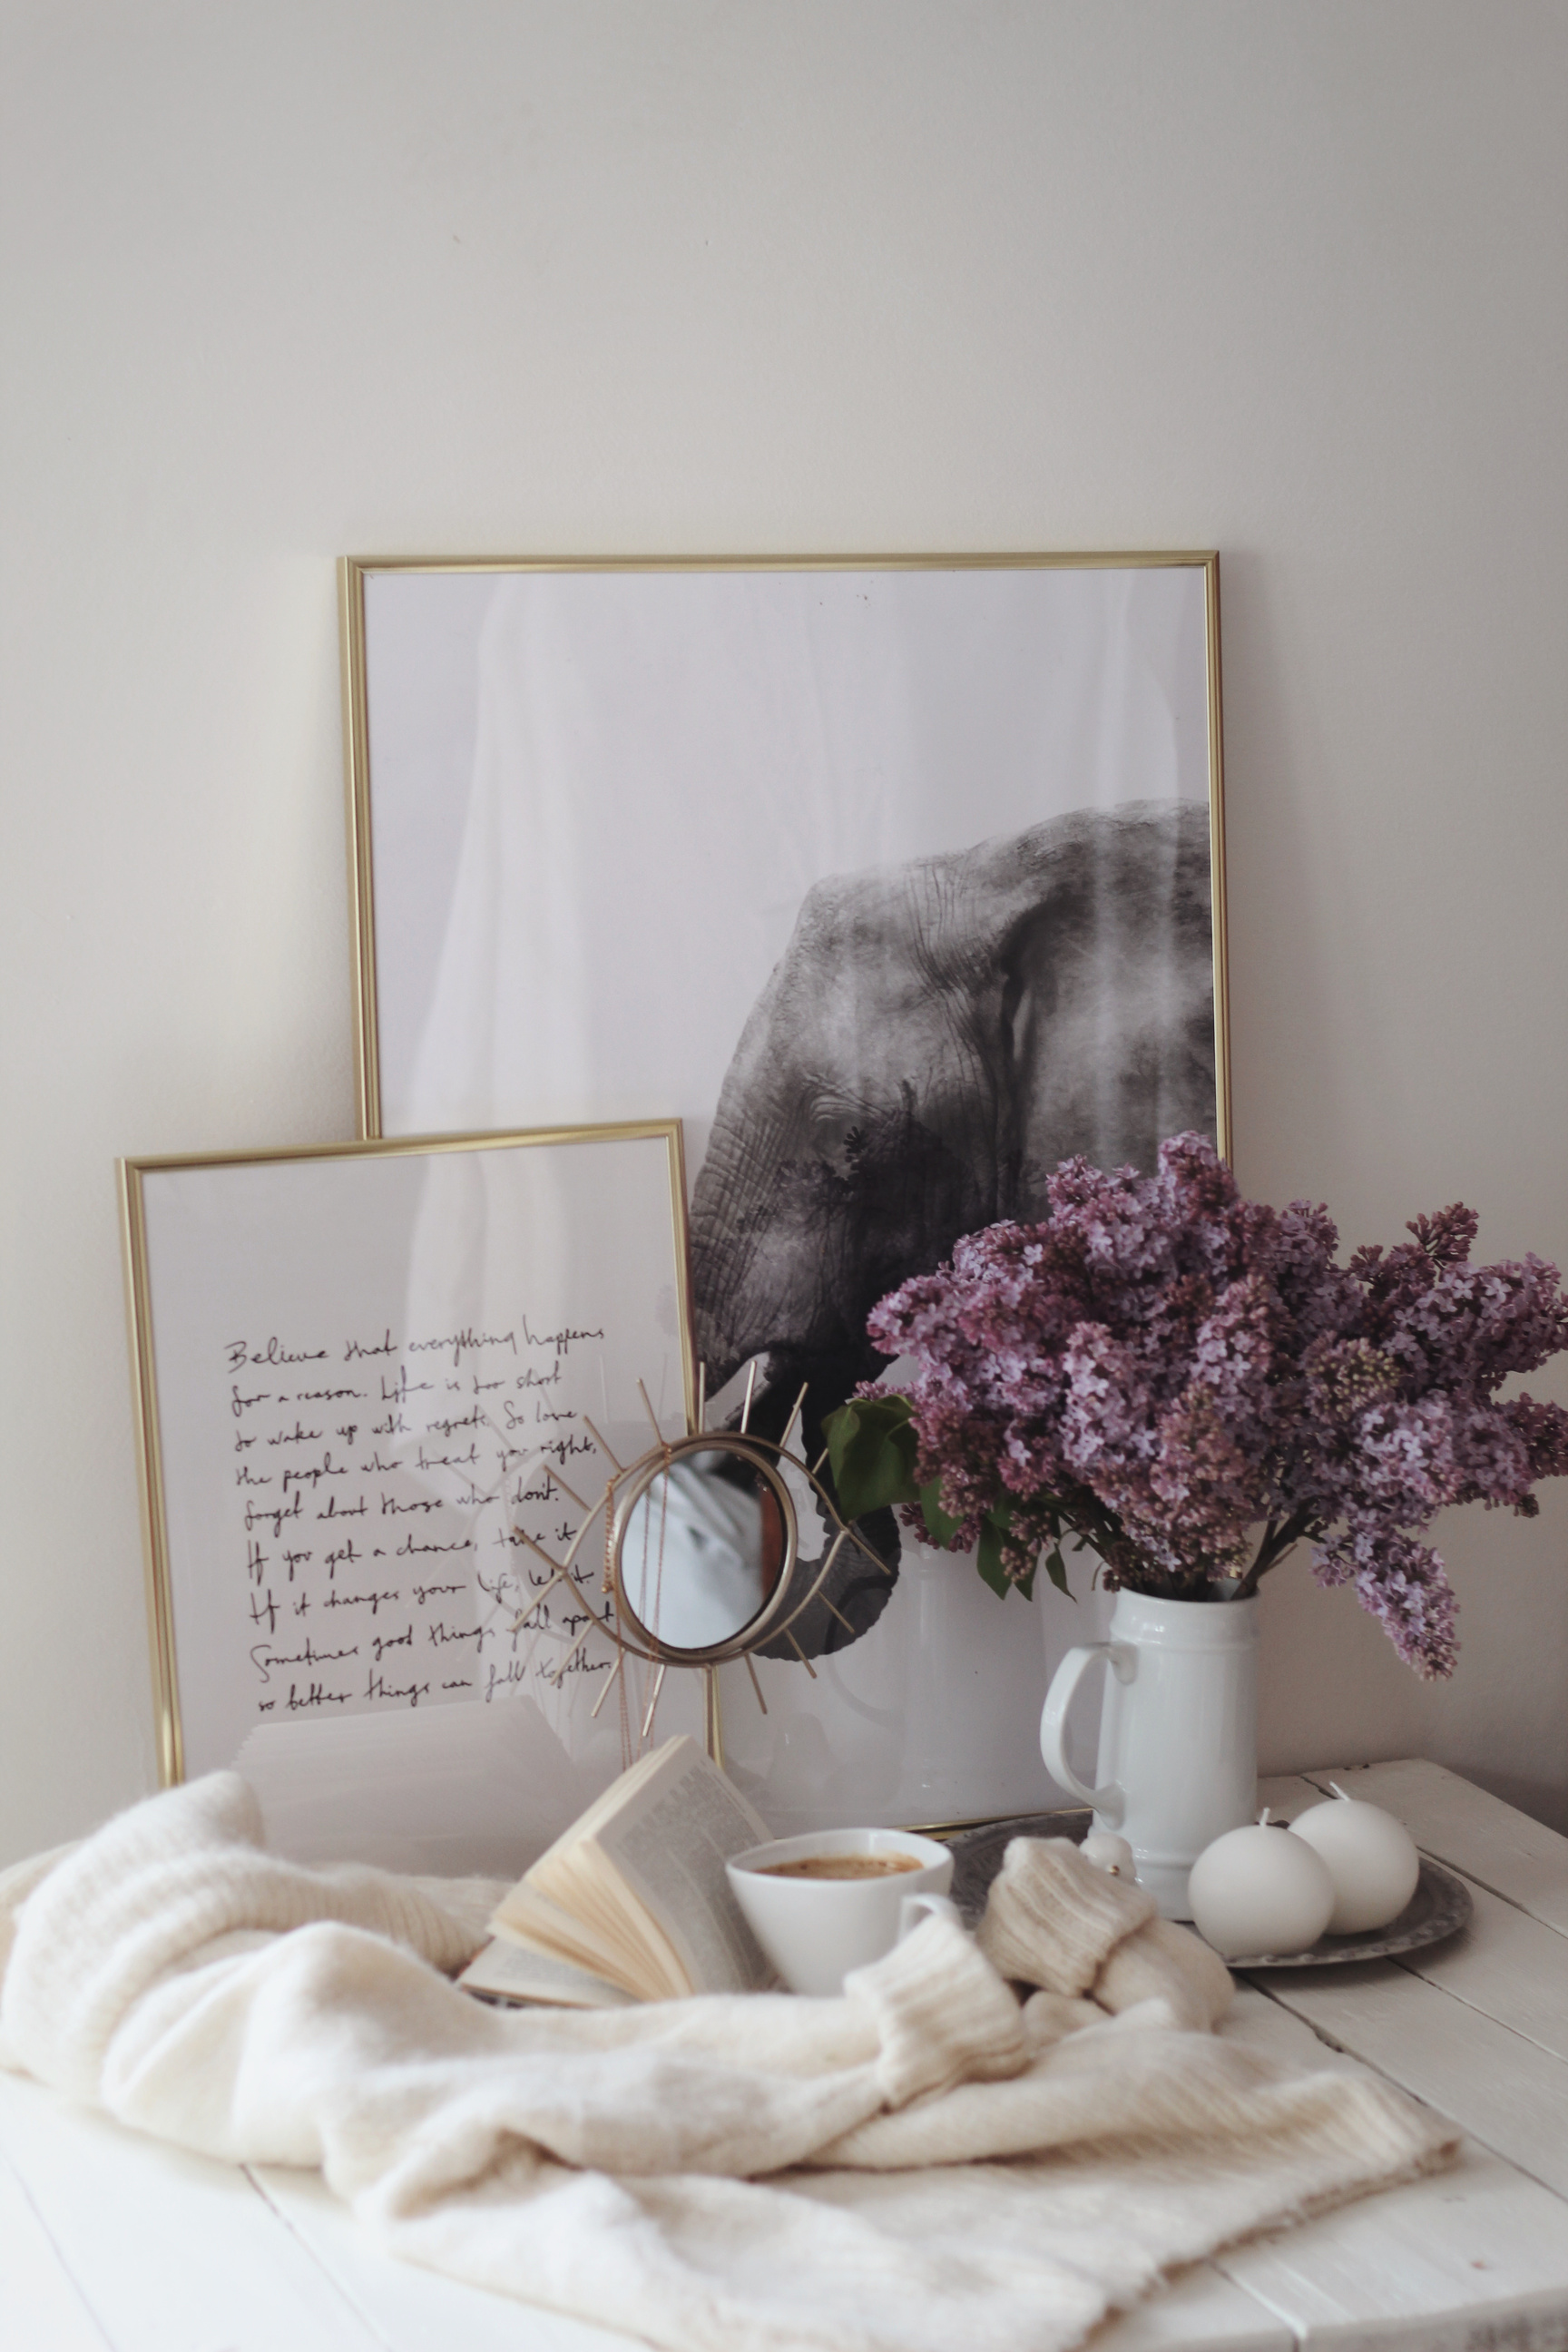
842, 1865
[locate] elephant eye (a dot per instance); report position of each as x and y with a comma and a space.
837, 1136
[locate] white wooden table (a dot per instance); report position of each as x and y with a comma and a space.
108, 2239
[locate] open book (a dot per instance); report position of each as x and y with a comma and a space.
632, 1902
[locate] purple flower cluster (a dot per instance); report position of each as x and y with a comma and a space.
1163, 1368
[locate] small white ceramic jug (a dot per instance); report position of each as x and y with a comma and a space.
1178, 1732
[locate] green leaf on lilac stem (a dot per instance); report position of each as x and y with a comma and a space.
871, 1448
940, 1527
988, 1555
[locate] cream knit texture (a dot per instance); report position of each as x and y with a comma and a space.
1052, 1919
921, 2163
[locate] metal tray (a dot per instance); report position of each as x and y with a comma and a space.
1440, 1905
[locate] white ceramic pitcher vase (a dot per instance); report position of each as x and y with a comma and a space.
1178, 1732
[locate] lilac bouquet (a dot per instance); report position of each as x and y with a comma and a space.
1189, 1383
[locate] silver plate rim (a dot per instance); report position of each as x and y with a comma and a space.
1446, 1915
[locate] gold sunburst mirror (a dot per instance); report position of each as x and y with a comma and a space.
715, 1543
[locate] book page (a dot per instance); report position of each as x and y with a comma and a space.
505, 1971
605, 1938
670, 1847
620, 1792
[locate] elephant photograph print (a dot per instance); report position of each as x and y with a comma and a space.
897, 880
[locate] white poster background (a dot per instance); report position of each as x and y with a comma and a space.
598, 799
388, 1351
597, 811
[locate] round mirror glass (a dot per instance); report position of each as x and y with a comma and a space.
703, 1548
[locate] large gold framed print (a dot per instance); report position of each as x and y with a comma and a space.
899, 881
376, 1386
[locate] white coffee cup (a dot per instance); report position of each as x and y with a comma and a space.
814, 1930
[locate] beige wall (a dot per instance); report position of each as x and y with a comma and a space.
290, 277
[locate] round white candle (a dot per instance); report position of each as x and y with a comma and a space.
1109, 1851
1371, 1858
1260, 1890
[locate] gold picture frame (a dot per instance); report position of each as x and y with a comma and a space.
359, 1370
555, 932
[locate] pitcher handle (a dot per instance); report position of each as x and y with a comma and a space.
1109, 1802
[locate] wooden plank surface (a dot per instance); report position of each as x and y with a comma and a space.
1288, 1794
1201, 2307
1507, 1966
40, 2308
1473, 2256
169, 2252
1510, 2093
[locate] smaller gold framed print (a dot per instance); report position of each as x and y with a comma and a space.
370, 1379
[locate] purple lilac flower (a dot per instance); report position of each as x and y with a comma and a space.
1164, 1368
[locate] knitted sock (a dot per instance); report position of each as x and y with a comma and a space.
1053, 1919
1160, 1959
943, 2016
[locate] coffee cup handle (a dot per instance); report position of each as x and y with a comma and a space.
916, 1907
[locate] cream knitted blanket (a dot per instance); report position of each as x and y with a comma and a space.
925, 2163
